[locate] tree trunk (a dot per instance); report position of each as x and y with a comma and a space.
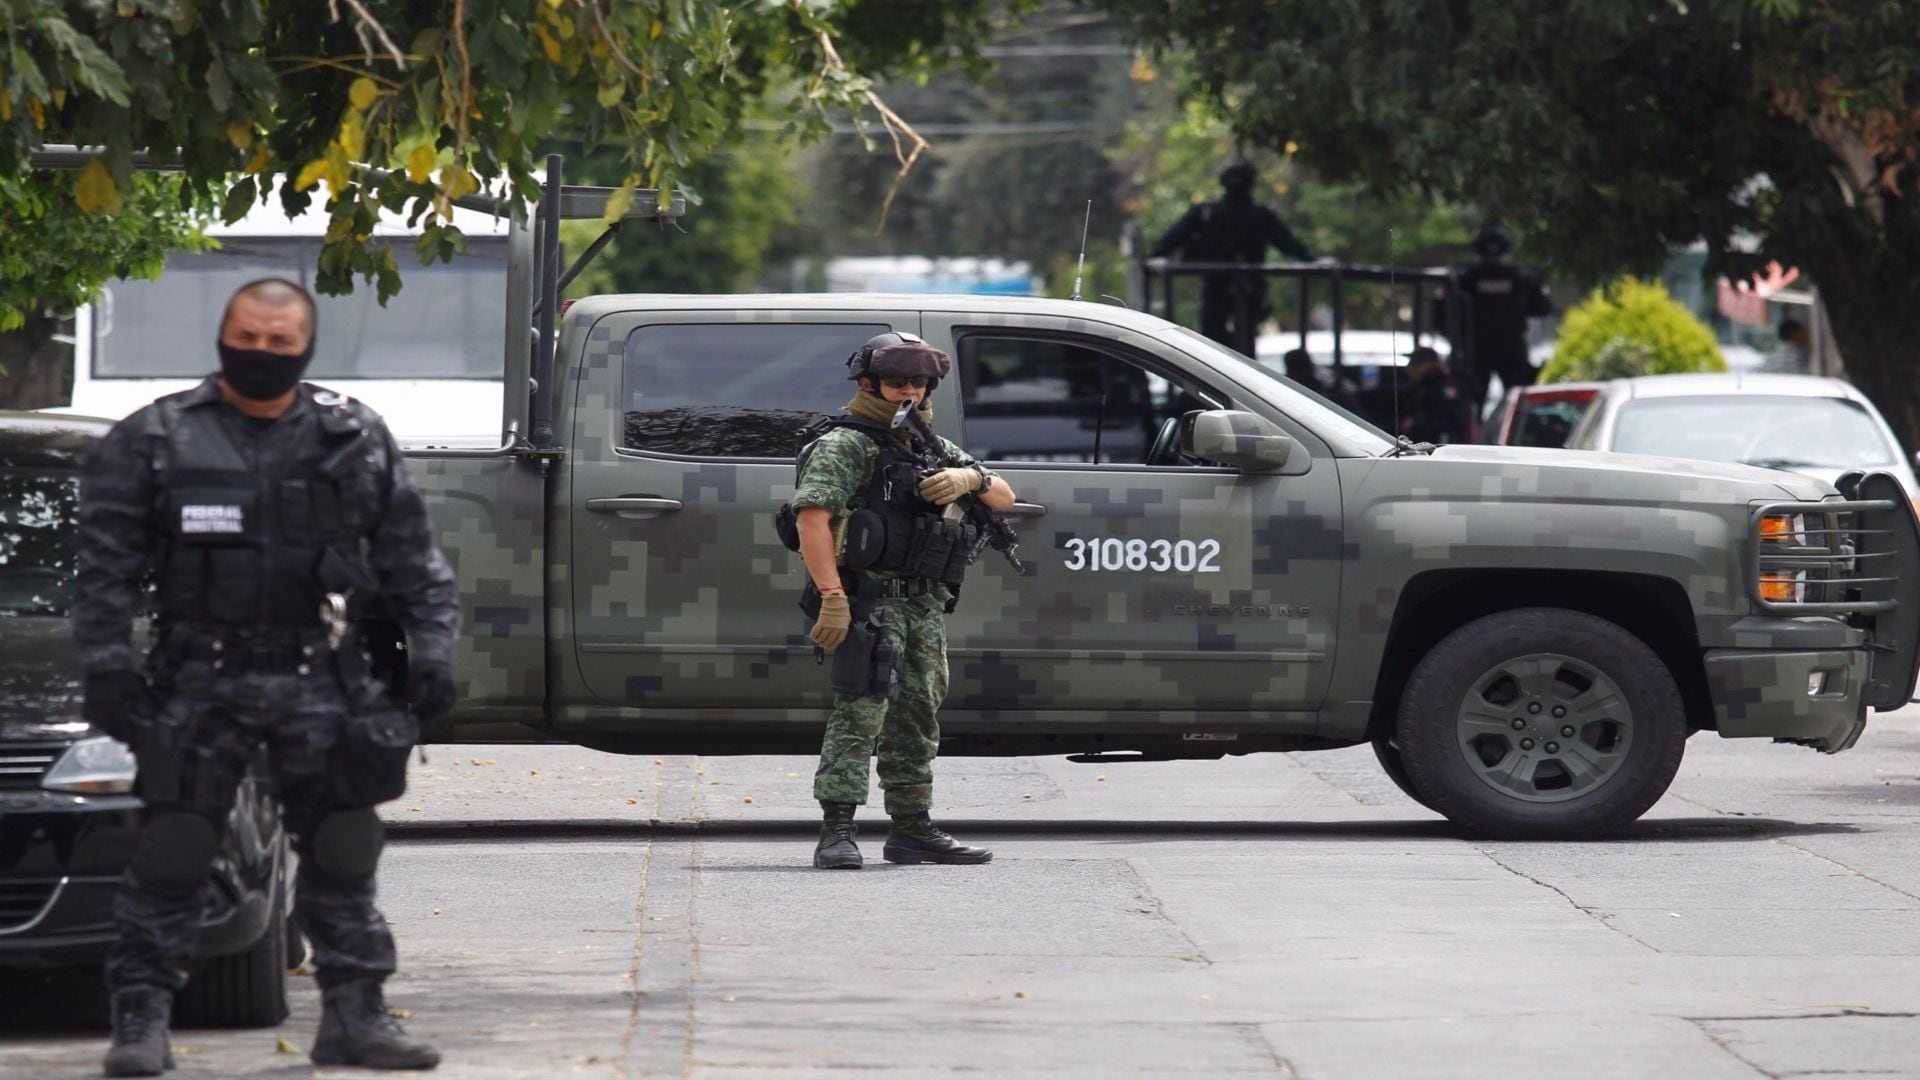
1876, 321
38, 369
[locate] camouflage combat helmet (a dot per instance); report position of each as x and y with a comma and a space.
898, 354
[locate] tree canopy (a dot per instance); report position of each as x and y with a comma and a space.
1610, 132
448, 95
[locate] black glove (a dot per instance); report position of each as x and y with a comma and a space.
430, 690
117, 702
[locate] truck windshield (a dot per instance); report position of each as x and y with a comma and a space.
1297, 401
39, 512
1755, 429
445, 323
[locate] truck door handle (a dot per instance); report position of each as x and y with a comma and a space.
634, 506
1024, 510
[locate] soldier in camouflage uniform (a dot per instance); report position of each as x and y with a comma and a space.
835, 481
236, 497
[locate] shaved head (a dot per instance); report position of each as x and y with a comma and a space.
276, 294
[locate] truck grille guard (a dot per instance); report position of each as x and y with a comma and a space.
1855, 557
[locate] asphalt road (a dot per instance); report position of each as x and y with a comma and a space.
567, 913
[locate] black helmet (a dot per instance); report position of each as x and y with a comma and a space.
1239, 176
899, 353
1492, 242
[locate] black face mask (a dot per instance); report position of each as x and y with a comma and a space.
262, 375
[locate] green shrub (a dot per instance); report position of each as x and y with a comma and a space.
1630, 327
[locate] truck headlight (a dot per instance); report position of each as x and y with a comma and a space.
95, 766
1784, 528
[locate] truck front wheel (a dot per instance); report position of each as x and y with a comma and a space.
1541, 723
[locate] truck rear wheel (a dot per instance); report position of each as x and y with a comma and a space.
1541, 723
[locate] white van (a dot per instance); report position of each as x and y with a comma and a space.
429, 361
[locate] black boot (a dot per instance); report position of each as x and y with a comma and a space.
355, 1029
916, 839
836, 850
140, 1045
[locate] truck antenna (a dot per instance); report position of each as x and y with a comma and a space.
1393, 335
1083, 249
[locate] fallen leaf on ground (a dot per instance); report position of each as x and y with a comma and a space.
477, 761
1102, 776
282, 1046
533, 772
658, 761
436, 911
301, 970
491, 761
189, 1050
633, 802
748, 798
400, 1014
1020, 993
413, 809
726, 997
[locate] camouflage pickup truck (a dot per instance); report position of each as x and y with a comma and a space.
1218, 561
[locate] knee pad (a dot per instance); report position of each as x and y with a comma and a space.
176, 853
347, 843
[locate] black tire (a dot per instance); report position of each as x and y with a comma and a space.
243, 990
1387, 752
1506, 687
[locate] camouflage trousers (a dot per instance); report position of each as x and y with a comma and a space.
904, 732
218, 726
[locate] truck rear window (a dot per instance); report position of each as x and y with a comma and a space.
735, 390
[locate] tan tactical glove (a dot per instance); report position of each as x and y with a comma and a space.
836, 615
946, 485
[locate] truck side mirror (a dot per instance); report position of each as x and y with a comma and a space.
1243, 440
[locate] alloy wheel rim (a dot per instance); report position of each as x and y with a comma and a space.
1544, 728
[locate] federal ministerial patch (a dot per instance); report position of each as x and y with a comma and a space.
218, 519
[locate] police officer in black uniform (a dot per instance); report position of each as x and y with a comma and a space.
1232, 228
1434, 403
267, 513
1499, 298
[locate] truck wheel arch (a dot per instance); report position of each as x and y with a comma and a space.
1434, 604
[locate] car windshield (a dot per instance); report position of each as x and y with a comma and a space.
1312, 409
1755, 429
38, 515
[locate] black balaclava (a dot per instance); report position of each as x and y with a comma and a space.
261, 375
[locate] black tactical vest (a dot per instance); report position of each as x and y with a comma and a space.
894, 529
242, 541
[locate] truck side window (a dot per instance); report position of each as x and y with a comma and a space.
734, 390
1051, 399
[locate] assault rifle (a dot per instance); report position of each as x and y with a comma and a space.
993, 529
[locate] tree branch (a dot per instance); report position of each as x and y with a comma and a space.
364, 24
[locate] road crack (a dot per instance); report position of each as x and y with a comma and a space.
634, 993
1583, 909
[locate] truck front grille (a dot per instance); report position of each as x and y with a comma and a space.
23, 764
25, 901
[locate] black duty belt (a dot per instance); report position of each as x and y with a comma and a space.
240, 656
899, 588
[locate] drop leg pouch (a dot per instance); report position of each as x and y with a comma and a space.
368, 762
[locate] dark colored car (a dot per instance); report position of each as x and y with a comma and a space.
1540, 415
69, 818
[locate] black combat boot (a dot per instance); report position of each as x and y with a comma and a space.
355, 1029
916, 839
836, 850
140, 1045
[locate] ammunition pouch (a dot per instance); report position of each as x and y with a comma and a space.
155, 746
941, 549
367, 764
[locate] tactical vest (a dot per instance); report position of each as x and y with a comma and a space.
893, 529
242, 544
